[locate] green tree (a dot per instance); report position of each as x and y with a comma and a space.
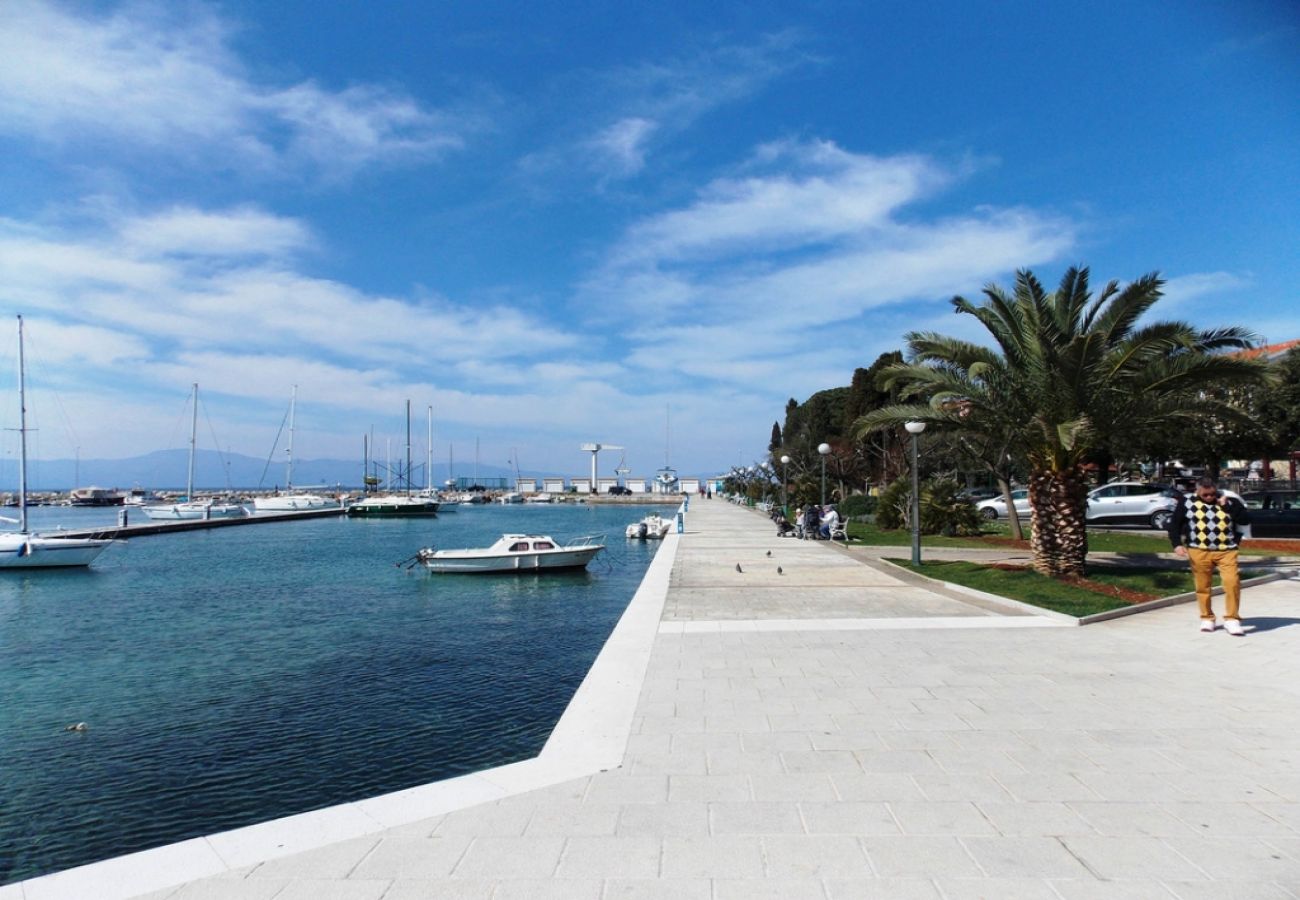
1066, 373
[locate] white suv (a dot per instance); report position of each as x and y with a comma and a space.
1132, 503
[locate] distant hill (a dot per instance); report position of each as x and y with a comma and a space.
165, 470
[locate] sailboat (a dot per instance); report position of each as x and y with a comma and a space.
397, 505
21, 549
191, 508
666, 479
289, 500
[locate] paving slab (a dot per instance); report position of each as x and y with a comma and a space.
834, 730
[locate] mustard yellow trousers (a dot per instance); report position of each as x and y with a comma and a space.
1204, 563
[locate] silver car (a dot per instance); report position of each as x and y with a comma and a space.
1131, 503
996, 507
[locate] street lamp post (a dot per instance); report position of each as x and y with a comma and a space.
785, 486
824, 450
915, 429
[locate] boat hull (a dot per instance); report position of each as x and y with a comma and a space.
393, 509
40, 552
292, 502
187, 511
518, 562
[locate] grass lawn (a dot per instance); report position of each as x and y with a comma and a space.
1081, 597
996, 534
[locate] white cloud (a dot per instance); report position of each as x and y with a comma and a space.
1184, 289
144, 78
621, 147
238, 232
782, 272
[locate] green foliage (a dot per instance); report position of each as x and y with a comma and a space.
942, 510
893, 508
856, 505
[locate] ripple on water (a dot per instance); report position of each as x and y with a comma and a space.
242, 674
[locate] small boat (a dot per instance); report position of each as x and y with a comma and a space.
291, 500
514, 553
394, 506
196, 509
190, 508
653, 527
539, 498
21, 549
511, 497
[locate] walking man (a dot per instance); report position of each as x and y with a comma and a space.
1205, 530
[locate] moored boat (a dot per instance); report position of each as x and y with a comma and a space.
196, 509
514, 553
653, 527
22, 549
393, 506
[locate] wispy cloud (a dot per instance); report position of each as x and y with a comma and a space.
639, 108
777, 273
187, 279
148, 78
1183, 289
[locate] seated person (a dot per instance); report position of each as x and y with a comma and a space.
830, 522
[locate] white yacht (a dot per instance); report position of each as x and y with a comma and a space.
22, 549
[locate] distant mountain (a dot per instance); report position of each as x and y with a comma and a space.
165, 470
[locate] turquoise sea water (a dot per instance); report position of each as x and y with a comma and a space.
241, 674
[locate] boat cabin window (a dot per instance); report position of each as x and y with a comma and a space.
543, 545
519, 545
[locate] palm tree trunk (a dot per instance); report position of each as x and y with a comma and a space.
1058, 501
1013, 518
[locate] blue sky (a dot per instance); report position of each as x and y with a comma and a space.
557, 223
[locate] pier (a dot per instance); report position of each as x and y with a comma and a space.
151, 526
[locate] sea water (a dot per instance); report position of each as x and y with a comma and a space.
239, 674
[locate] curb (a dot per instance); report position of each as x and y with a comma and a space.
1172, 600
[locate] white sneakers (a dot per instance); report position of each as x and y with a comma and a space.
1233, 627
1207, 625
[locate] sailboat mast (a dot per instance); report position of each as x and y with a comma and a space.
194, 432
293, 406
428, 465
22, 433
408, 447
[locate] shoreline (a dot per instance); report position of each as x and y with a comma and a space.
590, 735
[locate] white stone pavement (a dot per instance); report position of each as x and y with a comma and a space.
830, 732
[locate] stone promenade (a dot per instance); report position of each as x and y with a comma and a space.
829, 731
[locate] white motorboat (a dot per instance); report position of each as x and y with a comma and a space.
539, 498
511, 497
514, 553
21, 549
653, 527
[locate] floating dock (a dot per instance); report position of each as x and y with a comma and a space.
151, 526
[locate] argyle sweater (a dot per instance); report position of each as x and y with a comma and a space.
1205, 526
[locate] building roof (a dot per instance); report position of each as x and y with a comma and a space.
1271, 351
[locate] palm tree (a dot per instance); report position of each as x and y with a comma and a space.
1067, 373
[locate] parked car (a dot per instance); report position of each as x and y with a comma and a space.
1132, 503
1273, 514
619, 491
996, 507
975, 495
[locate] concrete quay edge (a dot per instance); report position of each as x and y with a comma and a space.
590, 737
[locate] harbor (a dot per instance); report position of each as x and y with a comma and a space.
230, 675
826, 729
